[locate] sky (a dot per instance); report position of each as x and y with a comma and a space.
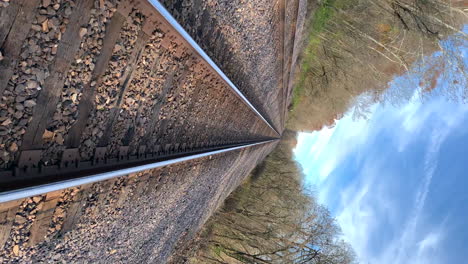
397, 182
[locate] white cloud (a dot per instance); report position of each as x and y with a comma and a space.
402, 249
357, 218
429, 243
371, 199
330, 147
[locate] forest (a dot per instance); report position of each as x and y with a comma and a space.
356, 47
271, 218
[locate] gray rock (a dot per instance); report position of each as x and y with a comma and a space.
51, 11
20, 219
29, 103
23, 122
88, 143
83, 32
68, 11
19, 107
31, 84
36, 28
18, 115
67, 103
19, 88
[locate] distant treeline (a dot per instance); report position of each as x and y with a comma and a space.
271, 219
358, 46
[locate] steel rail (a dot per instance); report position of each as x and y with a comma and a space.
56, 186
171, 20
24, 192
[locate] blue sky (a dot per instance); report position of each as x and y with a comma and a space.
397, 182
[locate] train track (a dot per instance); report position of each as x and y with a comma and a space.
92, 90
125, 169
96, 87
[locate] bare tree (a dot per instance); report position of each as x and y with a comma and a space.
272, 220
357, 47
